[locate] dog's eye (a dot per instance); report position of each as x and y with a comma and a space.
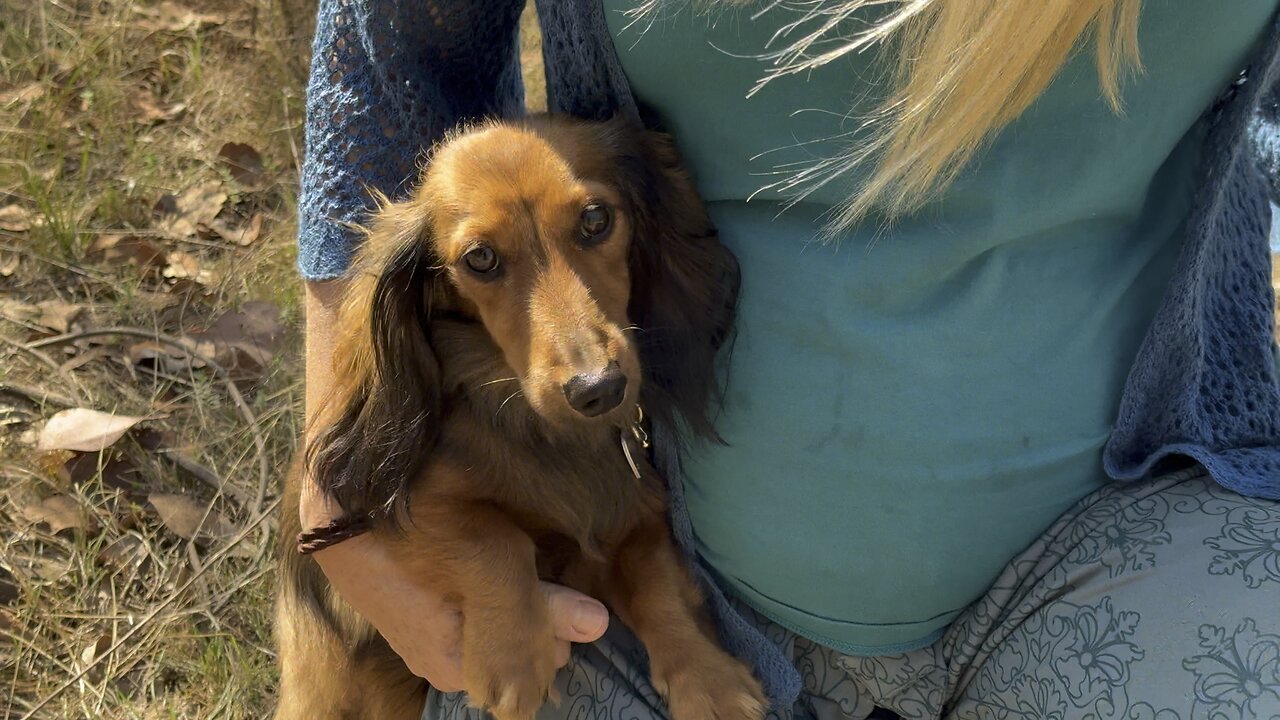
595, 222
482, 260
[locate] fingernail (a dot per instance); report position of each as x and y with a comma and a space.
589, 618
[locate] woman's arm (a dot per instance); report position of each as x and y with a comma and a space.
388, 79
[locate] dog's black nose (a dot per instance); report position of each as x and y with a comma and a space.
596, 393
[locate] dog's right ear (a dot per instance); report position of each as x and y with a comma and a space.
378, 424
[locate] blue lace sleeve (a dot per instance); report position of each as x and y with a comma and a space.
388, 78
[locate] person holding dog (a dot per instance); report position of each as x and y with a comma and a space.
1002, 422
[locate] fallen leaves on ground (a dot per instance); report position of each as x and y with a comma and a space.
244, 162
243, 235
189, 518
55, 315
132, 250
59, 512
85, 430
58, 315
94, 650
247, 339
199, 205
185, 266
122, 552
15, 218
114, 469
149, 110
242, 342
22, 95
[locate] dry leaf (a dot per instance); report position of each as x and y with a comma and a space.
187, 518
23, 313
49, 567
199, 205
127, 250
24, 95
85, 430
59, 512
257, 323
94, 650
245, 342
173, 17
9, 592
243, 236
9, 263
185, 266
115, 472
244, 162
15, 218
123, 552
185, 286
58, 315
181, 265
147, 109
167, 358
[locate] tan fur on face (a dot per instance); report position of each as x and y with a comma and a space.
559, 308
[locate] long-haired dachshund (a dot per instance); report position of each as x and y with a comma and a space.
551, 283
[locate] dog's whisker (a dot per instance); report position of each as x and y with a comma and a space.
504, 404
637, 328
495, 382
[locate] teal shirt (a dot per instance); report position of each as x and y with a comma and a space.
907, 410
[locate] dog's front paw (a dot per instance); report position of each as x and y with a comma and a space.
722, 688
511, 678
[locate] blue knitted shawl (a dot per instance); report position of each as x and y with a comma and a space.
389, 77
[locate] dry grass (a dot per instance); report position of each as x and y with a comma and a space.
92, 140
86, 154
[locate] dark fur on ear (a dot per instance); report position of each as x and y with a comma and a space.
684, 282
381, 420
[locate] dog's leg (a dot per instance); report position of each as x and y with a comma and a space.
653, 592
474, 553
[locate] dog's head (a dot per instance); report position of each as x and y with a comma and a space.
588, 258
538, 251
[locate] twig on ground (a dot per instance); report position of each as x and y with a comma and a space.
205, 475
43, 357
35, 394
83, 272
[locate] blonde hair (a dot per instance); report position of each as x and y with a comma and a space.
965, 69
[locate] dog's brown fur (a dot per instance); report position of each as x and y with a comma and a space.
450, 424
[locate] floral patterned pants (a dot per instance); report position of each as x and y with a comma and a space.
1157, 600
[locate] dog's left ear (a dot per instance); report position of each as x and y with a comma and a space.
377, 427
684, 282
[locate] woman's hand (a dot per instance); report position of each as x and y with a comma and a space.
418, 624
424, 630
